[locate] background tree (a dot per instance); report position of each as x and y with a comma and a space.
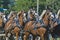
17, 5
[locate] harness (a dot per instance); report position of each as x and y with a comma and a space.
36, 27
58, 21
55, 20
25, 18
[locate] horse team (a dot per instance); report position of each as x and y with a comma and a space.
24, 24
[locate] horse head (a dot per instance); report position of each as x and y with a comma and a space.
13, 15
32, 17
45, 17
20, 18
54, 22
9, 23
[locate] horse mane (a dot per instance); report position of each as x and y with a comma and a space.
19, 13
44, 14
58, 13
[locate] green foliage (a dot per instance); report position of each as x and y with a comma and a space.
1, 2
26, 4
54, 5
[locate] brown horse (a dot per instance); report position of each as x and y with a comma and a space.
29, 27
1, 20
2, 23
16, 31
21, 21
11, 27
54, 27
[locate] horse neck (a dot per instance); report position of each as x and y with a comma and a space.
1, 21
9, 22
45, 20
31, 16
28, 25
53, 24
21, 20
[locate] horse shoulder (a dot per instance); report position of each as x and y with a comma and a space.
1, 20
8, 23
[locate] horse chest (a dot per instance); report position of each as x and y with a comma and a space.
45, 21
9, 25
1, 22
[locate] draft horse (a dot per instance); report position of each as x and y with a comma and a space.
21, 18
54, 26
40, 30
11, 27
